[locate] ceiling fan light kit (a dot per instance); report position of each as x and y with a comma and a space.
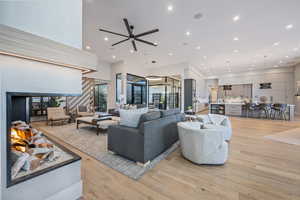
131, 36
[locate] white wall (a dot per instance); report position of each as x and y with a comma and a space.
58, 20
282, 80
103, 72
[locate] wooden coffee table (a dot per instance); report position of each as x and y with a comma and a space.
92, 121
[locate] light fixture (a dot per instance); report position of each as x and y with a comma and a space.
287, 56
198, 47
170, 8
235, 51
296, 49
236, 18
236, 39
156, 43
289, 26
170, 54
131, 51
114, 57
106, 38
275, 66
87, 47
280, 61
188, 33
205, 57
276, 44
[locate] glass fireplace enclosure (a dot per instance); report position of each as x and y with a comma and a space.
29, 151
164, 93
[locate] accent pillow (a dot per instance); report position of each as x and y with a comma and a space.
131, 118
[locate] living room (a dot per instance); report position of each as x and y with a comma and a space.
149, 99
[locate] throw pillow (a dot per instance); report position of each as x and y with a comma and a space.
131, 118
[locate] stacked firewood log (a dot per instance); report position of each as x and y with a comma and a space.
29, 148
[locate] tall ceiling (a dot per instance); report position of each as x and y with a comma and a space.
264, 38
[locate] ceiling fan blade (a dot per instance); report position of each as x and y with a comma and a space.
113, 33
127, 26
120, 42
147, 33
134, 45
144, 41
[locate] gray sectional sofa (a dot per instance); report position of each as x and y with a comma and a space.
157, 131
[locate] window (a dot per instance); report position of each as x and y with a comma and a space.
118, 87
136, 90
101, 97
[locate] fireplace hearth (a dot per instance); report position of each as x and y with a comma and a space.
30, 152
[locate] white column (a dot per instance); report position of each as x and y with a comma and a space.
297, 85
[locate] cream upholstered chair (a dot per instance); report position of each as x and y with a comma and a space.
218, 120
83, 111
202, 146
56, 114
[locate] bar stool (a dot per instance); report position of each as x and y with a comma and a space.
265, 109
252, 109
279, 111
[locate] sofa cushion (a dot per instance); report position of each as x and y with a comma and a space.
131, 118
165, 113
149, 116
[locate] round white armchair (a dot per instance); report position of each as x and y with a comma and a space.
203, 145
218, 120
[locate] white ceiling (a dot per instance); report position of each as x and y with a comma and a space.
261, 24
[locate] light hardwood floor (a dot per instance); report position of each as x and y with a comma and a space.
258, 168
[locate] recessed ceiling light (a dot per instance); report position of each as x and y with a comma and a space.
296, 49
131, 51
276, 44
236, 39
114, 57
280, 61
88, 47
287, 56
156, 43
236, 18
289, 26
198, 47
106, 38
188, 33
170, 8
235, 51
170, 54
275, 66
204, 57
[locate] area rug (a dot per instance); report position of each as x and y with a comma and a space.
290, 137
86, 140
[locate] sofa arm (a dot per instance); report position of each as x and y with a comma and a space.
126, 141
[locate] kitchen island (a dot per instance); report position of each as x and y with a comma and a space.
240, 110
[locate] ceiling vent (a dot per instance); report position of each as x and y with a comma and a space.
198, 16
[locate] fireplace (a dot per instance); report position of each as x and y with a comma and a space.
30, 152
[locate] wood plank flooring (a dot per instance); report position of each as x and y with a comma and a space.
258, 168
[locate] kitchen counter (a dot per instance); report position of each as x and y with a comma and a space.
238, 110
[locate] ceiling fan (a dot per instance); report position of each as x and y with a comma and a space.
131, 35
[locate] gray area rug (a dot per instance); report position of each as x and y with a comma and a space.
86, 140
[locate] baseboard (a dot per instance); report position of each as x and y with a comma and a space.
71, 193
